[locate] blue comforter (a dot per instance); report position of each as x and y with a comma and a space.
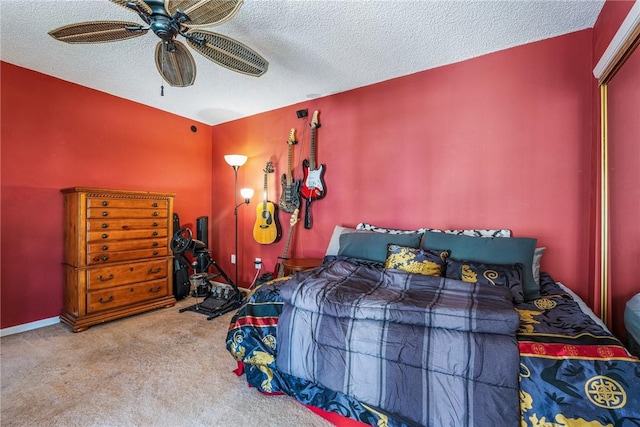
572, 372
431, 350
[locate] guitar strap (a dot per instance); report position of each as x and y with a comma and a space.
307, 214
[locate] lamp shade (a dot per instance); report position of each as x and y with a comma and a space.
246, 193
235, 160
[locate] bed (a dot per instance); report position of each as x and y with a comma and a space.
390, 331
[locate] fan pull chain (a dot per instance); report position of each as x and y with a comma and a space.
162, 81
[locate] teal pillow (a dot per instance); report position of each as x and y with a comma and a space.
373, 246
490, 250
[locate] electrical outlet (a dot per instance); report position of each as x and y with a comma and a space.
233, 258
257, 263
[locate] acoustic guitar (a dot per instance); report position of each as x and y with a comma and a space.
313, 187
293, 221
266, 230
290, 197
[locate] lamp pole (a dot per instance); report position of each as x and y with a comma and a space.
235, 213
235, 161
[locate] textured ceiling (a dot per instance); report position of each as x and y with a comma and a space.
314, 47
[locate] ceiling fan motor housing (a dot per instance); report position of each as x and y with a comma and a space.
163, 25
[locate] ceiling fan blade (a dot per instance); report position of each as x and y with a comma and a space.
97, 32
139, 3
176, 67
203, 13
228, 52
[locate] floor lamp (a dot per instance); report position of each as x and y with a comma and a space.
235, 161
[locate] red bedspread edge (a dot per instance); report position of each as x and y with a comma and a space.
336, 419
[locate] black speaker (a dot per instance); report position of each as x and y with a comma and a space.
181, 284
202, 230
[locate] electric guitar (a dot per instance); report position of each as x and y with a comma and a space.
266, 230
293, 221
313, 187
290, 197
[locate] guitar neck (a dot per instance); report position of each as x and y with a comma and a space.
315, 124
289, 165
286, 245
292, 222
264, 203
312, 154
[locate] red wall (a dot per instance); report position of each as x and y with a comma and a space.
497, 141
55, 135
502, 140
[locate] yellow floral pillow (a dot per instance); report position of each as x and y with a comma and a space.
418, 261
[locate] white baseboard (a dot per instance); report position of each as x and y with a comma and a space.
29, 326
52, 321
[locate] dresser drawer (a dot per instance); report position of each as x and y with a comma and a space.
107, 257
107, 202
106, 236
107, 247
111, 276
125, 295
106, 224
105, 213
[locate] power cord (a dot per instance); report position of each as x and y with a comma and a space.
258, 265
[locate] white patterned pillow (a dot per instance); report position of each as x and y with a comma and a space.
371, 227
475, 233
470, 232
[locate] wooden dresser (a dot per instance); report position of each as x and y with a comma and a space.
117, 258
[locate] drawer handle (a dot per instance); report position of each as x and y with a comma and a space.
105, 225
155, 290
155, 214
155, 224
104, 258
105, 235
155, 205
155, 270
155, 244
105, 248
125, 227
155, 233
155, 253
111, 298
105, 203
105, 279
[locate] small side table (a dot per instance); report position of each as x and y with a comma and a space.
294, 265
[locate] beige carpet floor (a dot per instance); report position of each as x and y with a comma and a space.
161, 368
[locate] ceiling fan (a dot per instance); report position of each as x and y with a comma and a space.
168, 19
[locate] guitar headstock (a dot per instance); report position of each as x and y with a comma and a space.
269, 168
294, 217
314, 120
292, 137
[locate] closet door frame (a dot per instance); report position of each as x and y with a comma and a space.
623, 44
